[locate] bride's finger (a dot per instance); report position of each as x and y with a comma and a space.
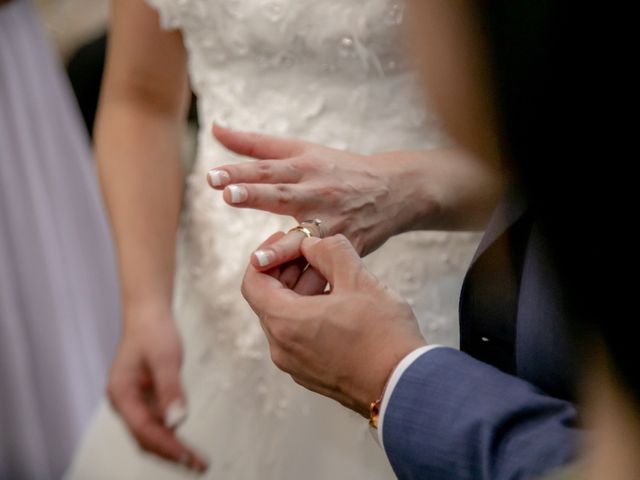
311, 282
273, 238
282, 199
281, 251
291, 272
265, 171
152, 435
257, 145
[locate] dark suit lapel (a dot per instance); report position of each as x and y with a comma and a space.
489, 297
510, 208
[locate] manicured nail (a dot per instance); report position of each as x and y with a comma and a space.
238, 194
219, 178
221, 122
175, 415
264, 257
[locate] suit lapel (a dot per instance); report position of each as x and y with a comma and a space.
510, 208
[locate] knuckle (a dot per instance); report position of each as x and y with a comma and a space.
305, 164
264, 171
338, 241
323, 190
284, 195
360, 277
278, 359
283, 333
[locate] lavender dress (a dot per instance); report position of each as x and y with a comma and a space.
59, 310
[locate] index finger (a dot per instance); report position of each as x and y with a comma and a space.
264, 293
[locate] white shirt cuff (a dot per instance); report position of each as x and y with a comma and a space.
393, 381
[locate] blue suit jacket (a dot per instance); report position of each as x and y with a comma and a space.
500, 408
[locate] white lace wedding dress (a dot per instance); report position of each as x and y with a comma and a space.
328, 71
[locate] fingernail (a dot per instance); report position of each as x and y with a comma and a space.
219, 178
264, 257
238, 194
175, 414
221, 122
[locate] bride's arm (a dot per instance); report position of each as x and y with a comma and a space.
138, 131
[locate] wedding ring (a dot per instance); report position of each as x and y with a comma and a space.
310, 228
300, 228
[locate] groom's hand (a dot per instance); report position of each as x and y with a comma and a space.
342, 344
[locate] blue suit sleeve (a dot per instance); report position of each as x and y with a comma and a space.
453, 417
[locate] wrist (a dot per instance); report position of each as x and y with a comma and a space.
152, 311
380, 372
415, 204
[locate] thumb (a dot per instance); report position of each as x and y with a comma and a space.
334, 257
170, 395
257, 145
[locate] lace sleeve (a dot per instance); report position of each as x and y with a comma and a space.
168, 11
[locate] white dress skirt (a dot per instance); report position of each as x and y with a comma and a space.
59, 310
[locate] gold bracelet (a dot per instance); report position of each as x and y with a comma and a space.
374, 413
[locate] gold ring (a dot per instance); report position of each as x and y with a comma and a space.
300, 228
310, 228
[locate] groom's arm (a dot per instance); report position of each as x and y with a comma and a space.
450, 416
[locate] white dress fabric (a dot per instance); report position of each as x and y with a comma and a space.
327, 71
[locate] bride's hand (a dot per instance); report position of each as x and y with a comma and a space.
366, 198
144, 386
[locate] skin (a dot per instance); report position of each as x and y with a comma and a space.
309, 326
138, 131
449, 48
613, 420
366, 198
